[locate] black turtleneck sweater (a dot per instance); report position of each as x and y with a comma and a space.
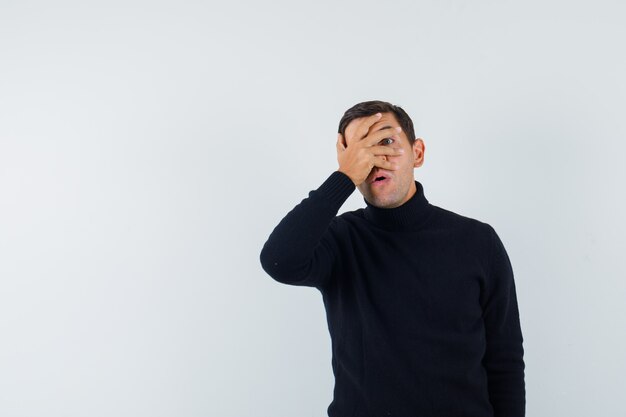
420, 303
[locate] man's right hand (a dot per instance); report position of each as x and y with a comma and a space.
358, 154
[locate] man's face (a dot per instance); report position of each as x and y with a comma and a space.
400, 185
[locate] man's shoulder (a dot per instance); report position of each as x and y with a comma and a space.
446, 218
474, 234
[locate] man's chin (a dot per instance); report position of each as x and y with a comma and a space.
378, 200
379, 194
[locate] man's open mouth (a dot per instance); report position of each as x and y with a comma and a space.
379, 180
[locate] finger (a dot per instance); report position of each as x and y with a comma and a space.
386, 150
364, 126
381, 163
377, 136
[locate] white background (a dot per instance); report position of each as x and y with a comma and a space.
147, 150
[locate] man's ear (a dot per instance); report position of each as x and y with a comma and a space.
419, 148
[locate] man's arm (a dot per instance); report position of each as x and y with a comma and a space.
504, 357
302, 248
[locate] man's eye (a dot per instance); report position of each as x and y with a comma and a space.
387, 139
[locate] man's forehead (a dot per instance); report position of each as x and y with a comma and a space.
387, 120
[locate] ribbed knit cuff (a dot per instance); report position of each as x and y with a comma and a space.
337, 188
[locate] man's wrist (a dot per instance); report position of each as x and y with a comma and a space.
343, 172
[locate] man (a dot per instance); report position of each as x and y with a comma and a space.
420, 301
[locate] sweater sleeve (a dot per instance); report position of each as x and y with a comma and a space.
504, 356
302, 248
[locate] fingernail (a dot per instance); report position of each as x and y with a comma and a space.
398, 128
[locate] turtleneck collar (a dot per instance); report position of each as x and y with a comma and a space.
409, 216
